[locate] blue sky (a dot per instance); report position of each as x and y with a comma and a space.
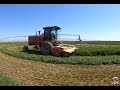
91, 21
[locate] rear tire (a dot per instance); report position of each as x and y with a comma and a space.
46, 48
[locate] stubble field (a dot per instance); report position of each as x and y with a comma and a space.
94, 63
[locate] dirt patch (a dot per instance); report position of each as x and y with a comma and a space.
35, 73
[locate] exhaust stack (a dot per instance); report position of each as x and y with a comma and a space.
39, 32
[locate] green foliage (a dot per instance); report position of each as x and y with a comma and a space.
88, 60
97, 50
93, 42
90, 54
13, 43
5, 81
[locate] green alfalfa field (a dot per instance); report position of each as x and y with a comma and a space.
93, 63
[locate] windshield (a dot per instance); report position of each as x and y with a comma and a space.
54, 34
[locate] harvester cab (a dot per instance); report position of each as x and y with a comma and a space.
51, 33
48, 44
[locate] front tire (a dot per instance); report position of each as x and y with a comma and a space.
46, 48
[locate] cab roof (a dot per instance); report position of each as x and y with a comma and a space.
52, 27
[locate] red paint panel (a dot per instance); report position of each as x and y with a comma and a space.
33, 40
56, 51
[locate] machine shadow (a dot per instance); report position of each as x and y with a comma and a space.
33, 52
39, 53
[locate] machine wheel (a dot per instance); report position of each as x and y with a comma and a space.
46, 48
25, 48
36, 47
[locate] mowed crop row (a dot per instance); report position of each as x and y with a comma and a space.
35, 55
6, 81
97, 50
85, 49
93, 42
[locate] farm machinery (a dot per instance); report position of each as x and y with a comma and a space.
48, 43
